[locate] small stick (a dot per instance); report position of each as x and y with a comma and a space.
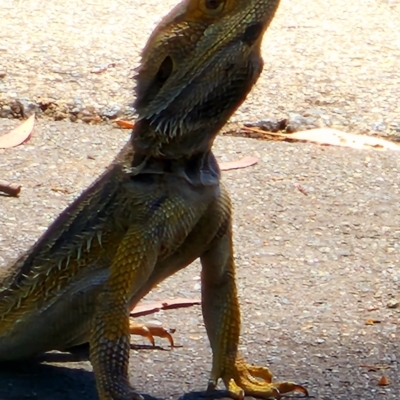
12, 189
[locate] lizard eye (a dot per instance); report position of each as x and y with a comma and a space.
213, 5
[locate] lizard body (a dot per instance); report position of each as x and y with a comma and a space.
156, 209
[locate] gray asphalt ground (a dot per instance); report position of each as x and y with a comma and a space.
313, 269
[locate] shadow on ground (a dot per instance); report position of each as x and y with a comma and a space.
33, 381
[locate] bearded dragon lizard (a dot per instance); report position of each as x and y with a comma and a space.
152, 213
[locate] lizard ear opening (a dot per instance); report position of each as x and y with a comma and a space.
252, 33
148, 85
165, 70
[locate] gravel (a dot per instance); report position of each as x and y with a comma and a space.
339, 59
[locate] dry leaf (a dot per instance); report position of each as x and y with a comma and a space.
12, 189
301, 189
383, 381
17, 135
179, 303
372, 321
338, 138
150, 307
334, 137
242, 163
124, 124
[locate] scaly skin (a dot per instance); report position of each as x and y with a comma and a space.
151, 213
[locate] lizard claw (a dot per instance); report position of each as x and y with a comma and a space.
212, 384
242, 380
149, 331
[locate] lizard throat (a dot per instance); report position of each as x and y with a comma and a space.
198, 170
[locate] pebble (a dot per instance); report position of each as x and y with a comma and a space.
294, 122
111, 111
378, 126
297, 122
392, 303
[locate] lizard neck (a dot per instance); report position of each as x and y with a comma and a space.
184, 143
200, 169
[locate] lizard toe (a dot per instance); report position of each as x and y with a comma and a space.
242, 379
149, 331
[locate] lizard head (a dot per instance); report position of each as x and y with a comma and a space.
197, 68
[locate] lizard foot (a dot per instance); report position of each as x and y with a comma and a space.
242, 379
149, 331
125, 393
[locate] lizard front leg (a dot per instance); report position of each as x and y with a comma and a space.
110, 334
161, 224
222, 319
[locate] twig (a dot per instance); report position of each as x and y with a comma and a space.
12, 189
